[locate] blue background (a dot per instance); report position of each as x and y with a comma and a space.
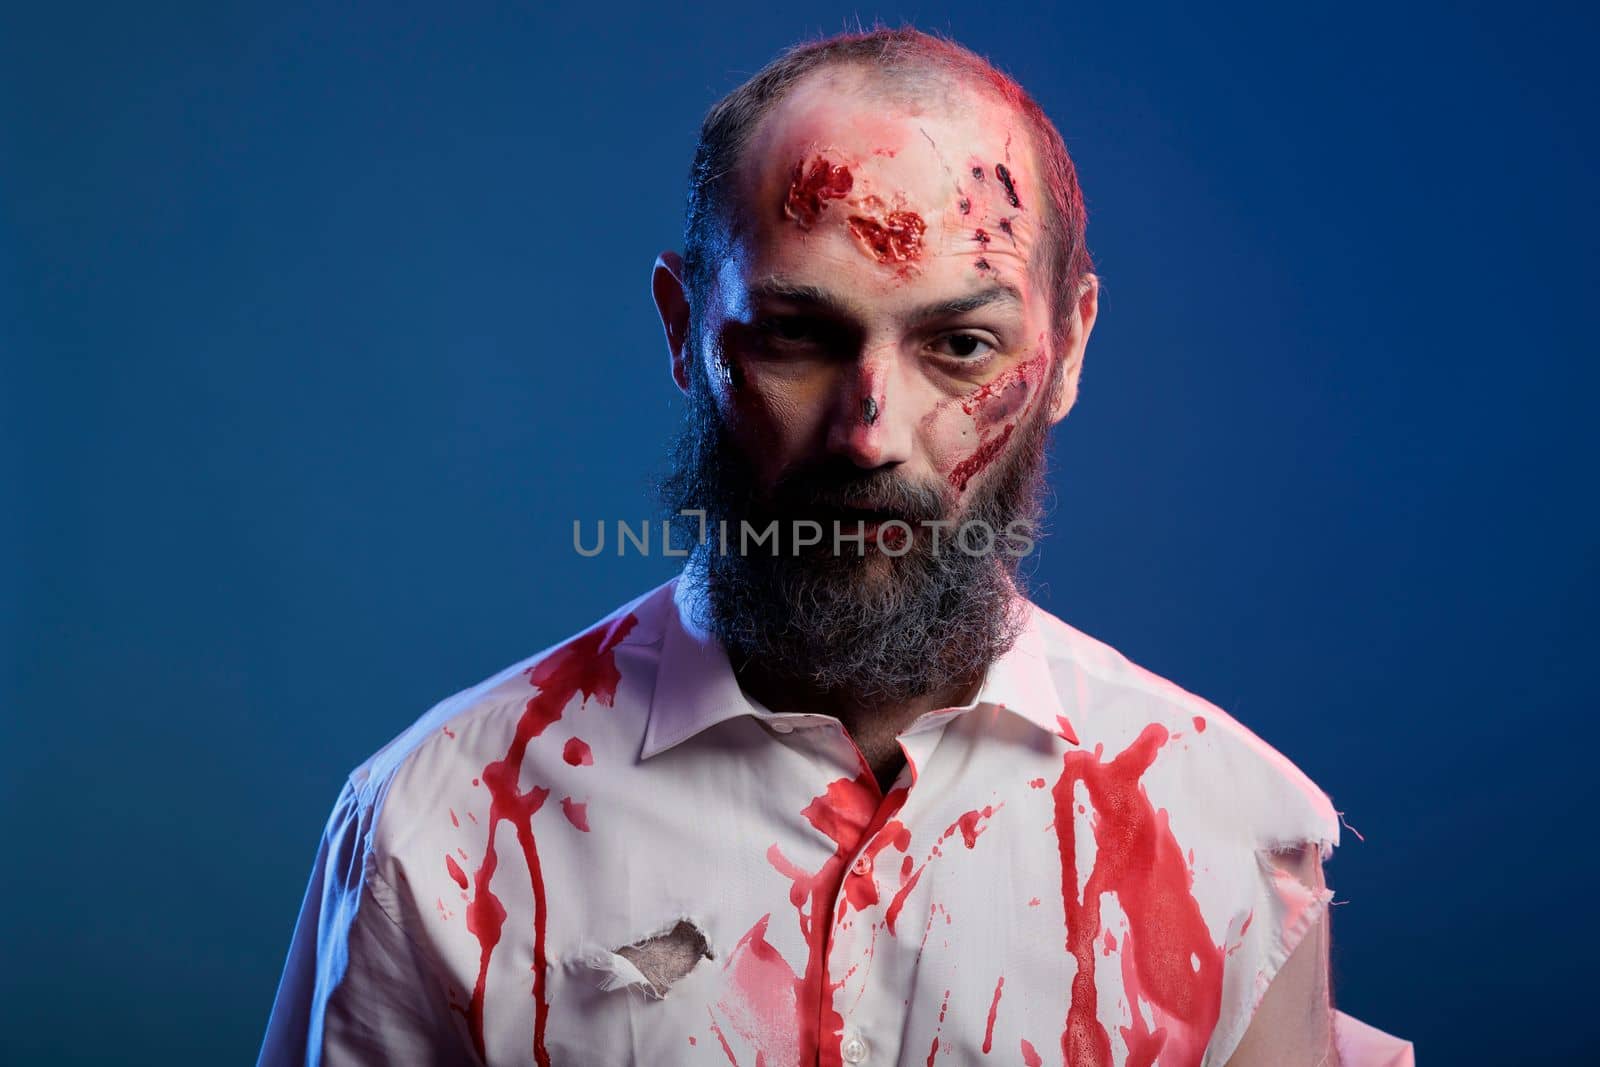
320, 327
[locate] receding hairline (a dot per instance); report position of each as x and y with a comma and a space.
926, 88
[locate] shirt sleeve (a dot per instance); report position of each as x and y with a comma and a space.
357, 988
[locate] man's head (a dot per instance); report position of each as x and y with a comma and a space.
882, 310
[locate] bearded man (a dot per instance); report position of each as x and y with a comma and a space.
839, 793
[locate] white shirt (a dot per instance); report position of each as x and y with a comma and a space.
1078, 859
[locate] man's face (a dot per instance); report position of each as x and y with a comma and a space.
876, 347
878, 305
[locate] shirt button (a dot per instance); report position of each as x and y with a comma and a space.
854, 1050
862, 867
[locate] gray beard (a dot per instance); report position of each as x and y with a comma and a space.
875, 628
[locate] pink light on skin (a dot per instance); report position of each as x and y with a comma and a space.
858, 303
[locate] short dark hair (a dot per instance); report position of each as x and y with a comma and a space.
904, 57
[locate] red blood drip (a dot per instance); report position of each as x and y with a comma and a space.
986, 454
861, 890
1199, 724
1176, 968
967, 826
848, 812
933, 1053
1036, 783
448, 732
586, 665
456, 873
578, 753
1030, 1055
810, 189
453, 820
723, 1041
897, 238
994, 1006
577, 813
1143, 1044
1067, 732
981, 236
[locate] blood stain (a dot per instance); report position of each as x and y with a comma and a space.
994, 1007
811, 189
897, 238
986, 453
584, 666
1004, 174
1167, 947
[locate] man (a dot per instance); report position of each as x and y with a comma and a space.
838, 794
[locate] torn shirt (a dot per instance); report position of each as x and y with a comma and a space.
1075, 867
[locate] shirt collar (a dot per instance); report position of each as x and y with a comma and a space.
696, 689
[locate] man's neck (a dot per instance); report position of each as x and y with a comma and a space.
873, 726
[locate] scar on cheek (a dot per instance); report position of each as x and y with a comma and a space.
986, 453
977, 172
896, 238
981, 236
1001, 398
1005, 228
965, 205
990, 406
1004, 174
810, 188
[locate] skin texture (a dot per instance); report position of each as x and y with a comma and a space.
858, 218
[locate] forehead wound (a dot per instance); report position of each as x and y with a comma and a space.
889, 233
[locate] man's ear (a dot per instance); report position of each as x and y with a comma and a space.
1083, 316
672, 303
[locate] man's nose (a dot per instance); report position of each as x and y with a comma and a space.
869, 424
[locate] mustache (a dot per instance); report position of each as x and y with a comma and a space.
838, 488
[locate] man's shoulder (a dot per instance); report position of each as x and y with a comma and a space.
1118, 698
470, 729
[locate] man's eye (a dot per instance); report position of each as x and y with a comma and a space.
789, 328
964, 346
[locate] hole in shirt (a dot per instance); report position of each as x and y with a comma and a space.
667, 957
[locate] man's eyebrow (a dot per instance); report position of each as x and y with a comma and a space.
999, 293
780, 289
